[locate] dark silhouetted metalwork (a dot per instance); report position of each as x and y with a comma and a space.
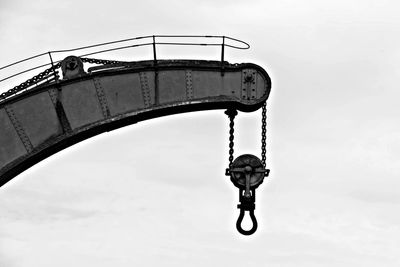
247, 172
51, 111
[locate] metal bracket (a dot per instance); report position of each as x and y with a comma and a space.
189, 84
72, 67
19, 128
145, 89
249, 84
102, 97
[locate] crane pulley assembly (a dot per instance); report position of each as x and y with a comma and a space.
247, 172
79, 97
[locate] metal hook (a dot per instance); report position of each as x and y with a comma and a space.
239, 223
247, 203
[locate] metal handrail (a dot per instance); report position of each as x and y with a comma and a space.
154, 42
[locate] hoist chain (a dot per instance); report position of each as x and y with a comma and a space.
102, 61
264, 135
231, 114
247, 171
34, 80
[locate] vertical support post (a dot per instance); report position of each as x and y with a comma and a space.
52, 66
222, 56
154, 50
156, 89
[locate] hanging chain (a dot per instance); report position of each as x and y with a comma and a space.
264, 135
231, 114
247, 167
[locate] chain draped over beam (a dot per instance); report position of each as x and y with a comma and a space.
51, 75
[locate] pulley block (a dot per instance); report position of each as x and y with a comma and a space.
247, 172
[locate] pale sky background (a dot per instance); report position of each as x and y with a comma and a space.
155, 193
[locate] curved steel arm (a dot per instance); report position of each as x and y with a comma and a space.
44, 120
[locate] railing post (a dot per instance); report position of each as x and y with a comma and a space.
222, 56
53, 68
156, 89
154, 50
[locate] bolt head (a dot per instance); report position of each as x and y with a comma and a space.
248, 168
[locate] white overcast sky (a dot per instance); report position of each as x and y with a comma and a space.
155, 194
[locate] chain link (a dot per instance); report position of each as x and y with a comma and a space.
102, 61
264, 135
231, 114
35, 79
